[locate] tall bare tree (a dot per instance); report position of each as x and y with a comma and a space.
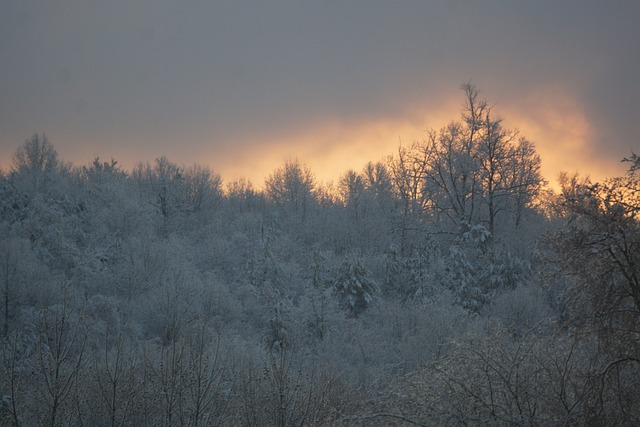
292, 186
36, 154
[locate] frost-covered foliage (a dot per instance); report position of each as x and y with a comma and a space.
463, 278
600, 247
414, 277
478, 268
153, 297
355, 288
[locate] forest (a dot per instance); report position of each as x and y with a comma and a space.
446, 284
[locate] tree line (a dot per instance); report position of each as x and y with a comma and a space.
443, 284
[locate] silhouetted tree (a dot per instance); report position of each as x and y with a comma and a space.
600, 245
35, 164
292, 187
36, 154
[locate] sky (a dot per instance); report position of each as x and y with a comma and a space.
242, 86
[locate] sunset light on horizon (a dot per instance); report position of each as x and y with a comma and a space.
559, 131
319, 213
242, 88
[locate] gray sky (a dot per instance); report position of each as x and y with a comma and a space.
241, 86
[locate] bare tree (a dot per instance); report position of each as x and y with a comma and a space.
292, 186
408, 172
350, 192
113, 366
61, 348
597, 253
203, 188
9, 251
470, 172
452, 176
524, 178
36, 154
600, 246
14, 380
163, 186
206, 369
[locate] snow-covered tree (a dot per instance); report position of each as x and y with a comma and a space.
292, 188
354, 287
35, 155
415, 276
599, 246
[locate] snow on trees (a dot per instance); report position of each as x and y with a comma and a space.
474, 171
171, 287
600, 245
354, 287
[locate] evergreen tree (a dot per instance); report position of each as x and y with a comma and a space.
354, 287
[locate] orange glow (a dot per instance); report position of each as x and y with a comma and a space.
559, 127
552, 119
329, 148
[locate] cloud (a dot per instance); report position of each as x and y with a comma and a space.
559, 126
238, 83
